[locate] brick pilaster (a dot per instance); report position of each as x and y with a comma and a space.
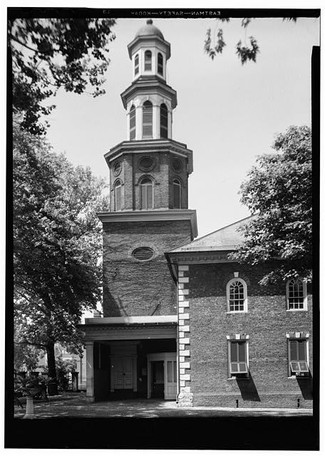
184, 338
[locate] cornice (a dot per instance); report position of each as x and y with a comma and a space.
148, 146
145, 319
192, 257
147, 86
165, 215
153, 38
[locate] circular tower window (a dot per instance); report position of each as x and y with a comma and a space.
177, 164
117, 168
146, 163
143, 253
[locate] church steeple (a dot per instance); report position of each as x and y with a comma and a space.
149, 101
149, 171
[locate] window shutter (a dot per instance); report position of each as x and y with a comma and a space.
160, 64
132, 123
147, 120
163, 121
147, 61
136, 64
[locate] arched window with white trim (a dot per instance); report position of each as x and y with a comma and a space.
147, 61
147, 119
147, 193
237, 295
118, 195
296, 291
132, 122
177, 194
160, 66
163, 121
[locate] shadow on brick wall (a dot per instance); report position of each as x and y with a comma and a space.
306, 387
248, 389
112, 307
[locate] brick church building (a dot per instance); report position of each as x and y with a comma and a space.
181, 321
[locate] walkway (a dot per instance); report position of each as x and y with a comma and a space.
76, 405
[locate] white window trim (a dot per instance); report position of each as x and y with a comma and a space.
236, 279
305, 303
288, 352
233, 376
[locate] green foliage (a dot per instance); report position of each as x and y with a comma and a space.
26, 357
64, 368
218, 47
31, 385
279, 194
245, 52
51, 53
57, 243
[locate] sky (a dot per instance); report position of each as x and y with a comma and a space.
227, 113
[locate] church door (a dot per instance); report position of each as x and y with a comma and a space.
122, 373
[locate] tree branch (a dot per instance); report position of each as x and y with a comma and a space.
27, 47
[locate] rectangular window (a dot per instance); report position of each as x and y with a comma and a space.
238, 360
298, 359
296, 295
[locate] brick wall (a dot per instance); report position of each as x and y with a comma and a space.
266, 323
162, 174
134, 288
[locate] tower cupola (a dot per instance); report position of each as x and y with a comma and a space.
149, 52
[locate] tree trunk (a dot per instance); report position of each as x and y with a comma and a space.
53, 386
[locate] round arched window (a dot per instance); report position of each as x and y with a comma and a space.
147, 196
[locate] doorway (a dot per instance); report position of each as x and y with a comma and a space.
162, 375
157, 379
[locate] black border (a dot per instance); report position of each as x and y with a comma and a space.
262, 433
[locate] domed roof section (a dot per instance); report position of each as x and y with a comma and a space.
148, 30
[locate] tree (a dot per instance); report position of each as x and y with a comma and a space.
57, 245
48, 54
246, 52
279, 194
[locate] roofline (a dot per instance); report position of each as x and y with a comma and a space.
223, 228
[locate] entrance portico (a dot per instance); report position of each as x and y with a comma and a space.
121, 357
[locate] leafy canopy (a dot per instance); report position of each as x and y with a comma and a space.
246, 48
57, 242
48, 54
279, 194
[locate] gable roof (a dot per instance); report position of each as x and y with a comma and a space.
226, 238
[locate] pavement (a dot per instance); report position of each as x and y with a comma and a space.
77, 405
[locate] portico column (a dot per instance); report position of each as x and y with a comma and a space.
90, 393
